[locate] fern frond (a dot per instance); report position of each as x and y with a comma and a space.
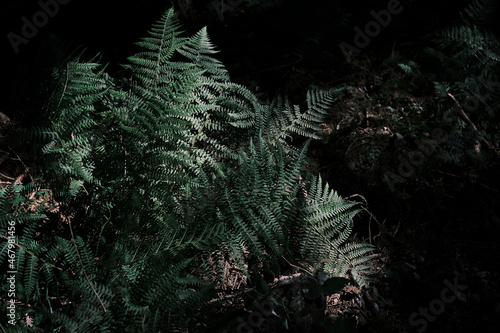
480, 12
280, 120
329, 225
168, 176
474, 48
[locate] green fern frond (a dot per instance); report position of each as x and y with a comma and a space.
199, 50
329, 220
279, 120
474, 48
480, 12
164, 178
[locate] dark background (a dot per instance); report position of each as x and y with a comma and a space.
250, 39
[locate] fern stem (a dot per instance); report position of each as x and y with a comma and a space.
298, 267
65, 85
83, 267
464, 115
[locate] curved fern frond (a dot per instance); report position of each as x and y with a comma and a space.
329, 219
280, 120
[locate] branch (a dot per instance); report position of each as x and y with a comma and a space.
464, 115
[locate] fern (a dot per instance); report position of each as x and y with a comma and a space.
474, 47
164, 177
471, 89
480, 12
280, 120
329, 219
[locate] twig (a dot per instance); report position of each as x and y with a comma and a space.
233, 294
485, 186
1, 174
286, 279
370, 223
25, 167
464, 115
358, 195
305, 270
356, 146
369, 213
397, 228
